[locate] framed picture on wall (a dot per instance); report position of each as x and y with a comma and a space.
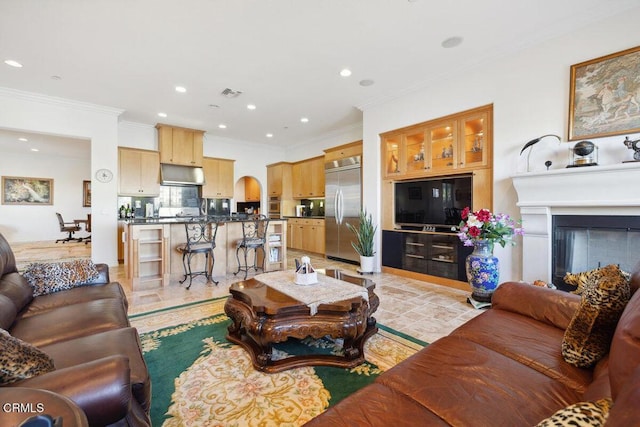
86, 194
605, 96
18, 190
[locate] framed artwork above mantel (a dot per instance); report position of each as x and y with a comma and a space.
605, 96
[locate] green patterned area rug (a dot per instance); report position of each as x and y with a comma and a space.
199, 378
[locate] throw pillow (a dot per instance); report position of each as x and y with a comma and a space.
586, 278
588, 336
46, 278
20, 360
586, 414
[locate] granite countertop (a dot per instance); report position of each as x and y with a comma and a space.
185, 219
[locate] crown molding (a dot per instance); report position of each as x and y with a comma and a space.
62, 102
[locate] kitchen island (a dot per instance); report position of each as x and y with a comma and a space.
152, 260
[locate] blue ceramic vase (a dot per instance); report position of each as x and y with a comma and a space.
483, 271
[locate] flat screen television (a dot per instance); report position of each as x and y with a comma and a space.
432, 202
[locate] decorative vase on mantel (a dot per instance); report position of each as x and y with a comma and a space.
483, 271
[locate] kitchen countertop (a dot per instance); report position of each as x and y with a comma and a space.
185, 219
304, 217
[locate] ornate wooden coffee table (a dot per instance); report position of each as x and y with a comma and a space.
263, 316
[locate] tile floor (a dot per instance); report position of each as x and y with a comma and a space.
422, 310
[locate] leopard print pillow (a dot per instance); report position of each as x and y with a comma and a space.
588, 336
46, 278
586, 414
20, 360
586, 278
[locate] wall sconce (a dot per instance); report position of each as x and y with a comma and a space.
534, 142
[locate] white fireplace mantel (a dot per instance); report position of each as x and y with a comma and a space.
588, 190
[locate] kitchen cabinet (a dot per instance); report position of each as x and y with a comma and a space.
251, 189
148, 255
453, 144
308, 178
279, 180
307, 234
343, 151
180, 146
138, 172
218, 175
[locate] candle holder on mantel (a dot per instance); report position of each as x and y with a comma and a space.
635, 146
584, 153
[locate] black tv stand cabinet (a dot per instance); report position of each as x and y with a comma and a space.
440, 254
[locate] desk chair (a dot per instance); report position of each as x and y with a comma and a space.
87, 228
201, 239
254, 232
68, 227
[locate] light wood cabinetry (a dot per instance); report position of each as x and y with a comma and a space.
180, 146
218, 175
148, 255
454, 144
308, 178
138, 172
343, 151
276, 248
251, 189
279, 180
307, 234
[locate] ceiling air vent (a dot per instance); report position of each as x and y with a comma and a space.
230, 93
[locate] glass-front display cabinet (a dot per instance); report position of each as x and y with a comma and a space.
443, 146
416, 158
391, 155
473, 141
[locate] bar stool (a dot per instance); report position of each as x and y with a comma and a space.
201, 239
254, 234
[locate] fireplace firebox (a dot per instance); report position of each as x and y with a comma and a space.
585, 242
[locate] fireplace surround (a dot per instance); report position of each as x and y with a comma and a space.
594, 192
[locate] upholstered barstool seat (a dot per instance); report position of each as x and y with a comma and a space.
254, 233
201, 239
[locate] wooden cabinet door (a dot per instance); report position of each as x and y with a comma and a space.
392, 156
316, 167
251, 189
218, 174
139, 172
474, 149
443, 146
180, 146
274, 180
318, 242
299, 184
149, 173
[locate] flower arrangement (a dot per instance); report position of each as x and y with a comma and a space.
483, 225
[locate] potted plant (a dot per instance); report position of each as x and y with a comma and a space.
363, 245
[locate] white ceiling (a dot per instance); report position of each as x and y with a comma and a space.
284, 55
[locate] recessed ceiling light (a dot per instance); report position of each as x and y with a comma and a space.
345, 72
181, 89
162, 114
304, 120
251, 107
12, 63
34, 149
23, 139
269, 135
222, 126
366, 82
452, 42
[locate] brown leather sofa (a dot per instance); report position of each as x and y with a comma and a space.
86, 331
502, 368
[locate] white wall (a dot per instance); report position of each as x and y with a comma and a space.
530, 94
48, 115
29, 223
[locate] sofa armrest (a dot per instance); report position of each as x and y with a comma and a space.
103, 275
101, 388
551, 306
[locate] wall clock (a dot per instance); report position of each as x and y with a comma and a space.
104, 175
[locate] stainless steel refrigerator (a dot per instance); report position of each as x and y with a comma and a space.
343, 200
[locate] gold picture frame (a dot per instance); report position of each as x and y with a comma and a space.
604, 99
86, 194
18, 190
